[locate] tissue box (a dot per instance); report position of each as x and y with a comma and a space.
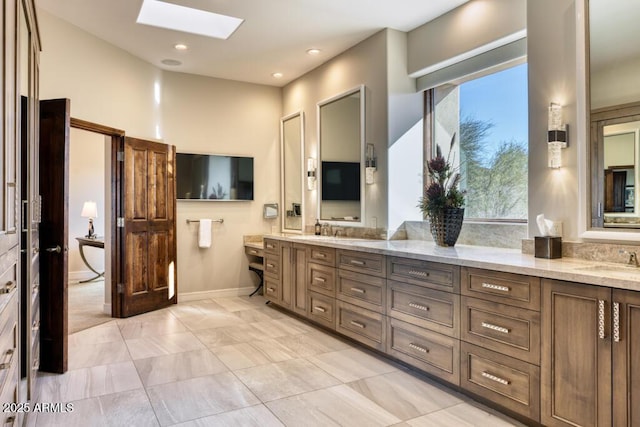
548, 247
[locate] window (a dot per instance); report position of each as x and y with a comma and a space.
489, 115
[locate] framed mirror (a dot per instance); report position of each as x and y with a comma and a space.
614, 110
340, 169
291, 176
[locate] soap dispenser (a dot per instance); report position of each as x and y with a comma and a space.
317, 227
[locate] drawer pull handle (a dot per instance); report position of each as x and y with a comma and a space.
6, 365
271, 289
35, 326
495, 287
269, 246
358, 324
419, 273
321, 255
320, 309
320, 279
616, 322
494, 378
10, 286
11, 420
419, 306
358, 290
36, 365
356, 262
35, 287
495, 327
419, 348
253, 251
601, 334
270, 265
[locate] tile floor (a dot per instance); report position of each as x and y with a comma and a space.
238, 362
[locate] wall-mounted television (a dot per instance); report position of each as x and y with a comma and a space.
213, 177
340, 181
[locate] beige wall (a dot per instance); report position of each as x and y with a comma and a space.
551, 45
363, 64
107, 85
86, 182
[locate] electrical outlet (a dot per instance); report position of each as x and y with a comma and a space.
556, 229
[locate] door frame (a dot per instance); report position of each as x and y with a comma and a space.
116, 239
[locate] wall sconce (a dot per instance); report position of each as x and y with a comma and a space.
370, 165
312, 167
557, 137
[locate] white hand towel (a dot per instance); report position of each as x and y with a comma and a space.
204, 233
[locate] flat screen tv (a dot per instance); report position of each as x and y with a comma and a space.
213, 177
340, 181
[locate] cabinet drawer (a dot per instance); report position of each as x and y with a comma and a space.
8, 341
271, 289
365, 326
253, 251
362, 290
272, 266
424, 307
429, 351
321, 278
506, 381
507, 288
321, 309
433, 275
320, 255
362, 262
9, 393
272, 246
503, 328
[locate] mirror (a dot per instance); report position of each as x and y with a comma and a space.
614, 82
292, 161
340, 170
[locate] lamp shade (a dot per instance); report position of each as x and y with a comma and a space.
89, 210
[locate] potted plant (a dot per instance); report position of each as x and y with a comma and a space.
443, 200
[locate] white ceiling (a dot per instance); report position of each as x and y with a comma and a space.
614, 32
273, 38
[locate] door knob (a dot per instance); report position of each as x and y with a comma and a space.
57, 249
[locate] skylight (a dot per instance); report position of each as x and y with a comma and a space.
188, 20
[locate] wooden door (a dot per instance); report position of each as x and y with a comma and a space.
54, 188
576, 355
626, 358
149, 270
299, 285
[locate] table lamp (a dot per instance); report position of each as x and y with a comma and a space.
90, 210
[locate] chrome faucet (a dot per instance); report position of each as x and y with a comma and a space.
633, 257
338, 232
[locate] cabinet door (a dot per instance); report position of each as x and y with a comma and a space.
576, 355
286, 275
626, 358
300, 280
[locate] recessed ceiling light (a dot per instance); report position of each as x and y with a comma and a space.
180, 46
180, 18
313, 51
171, 62
277, 75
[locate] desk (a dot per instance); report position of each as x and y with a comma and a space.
95, 243
255, 253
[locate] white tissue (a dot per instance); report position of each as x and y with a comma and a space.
544, 225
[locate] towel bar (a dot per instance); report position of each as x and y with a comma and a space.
221, 220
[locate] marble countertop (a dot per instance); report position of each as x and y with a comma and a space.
613, 275
254, 245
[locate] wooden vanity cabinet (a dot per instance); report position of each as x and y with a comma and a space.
590, 358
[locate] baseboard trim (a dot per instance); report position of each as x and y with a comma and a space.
217, 293
106, 308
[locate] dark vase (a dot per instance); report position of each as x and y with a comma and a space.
445, 227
